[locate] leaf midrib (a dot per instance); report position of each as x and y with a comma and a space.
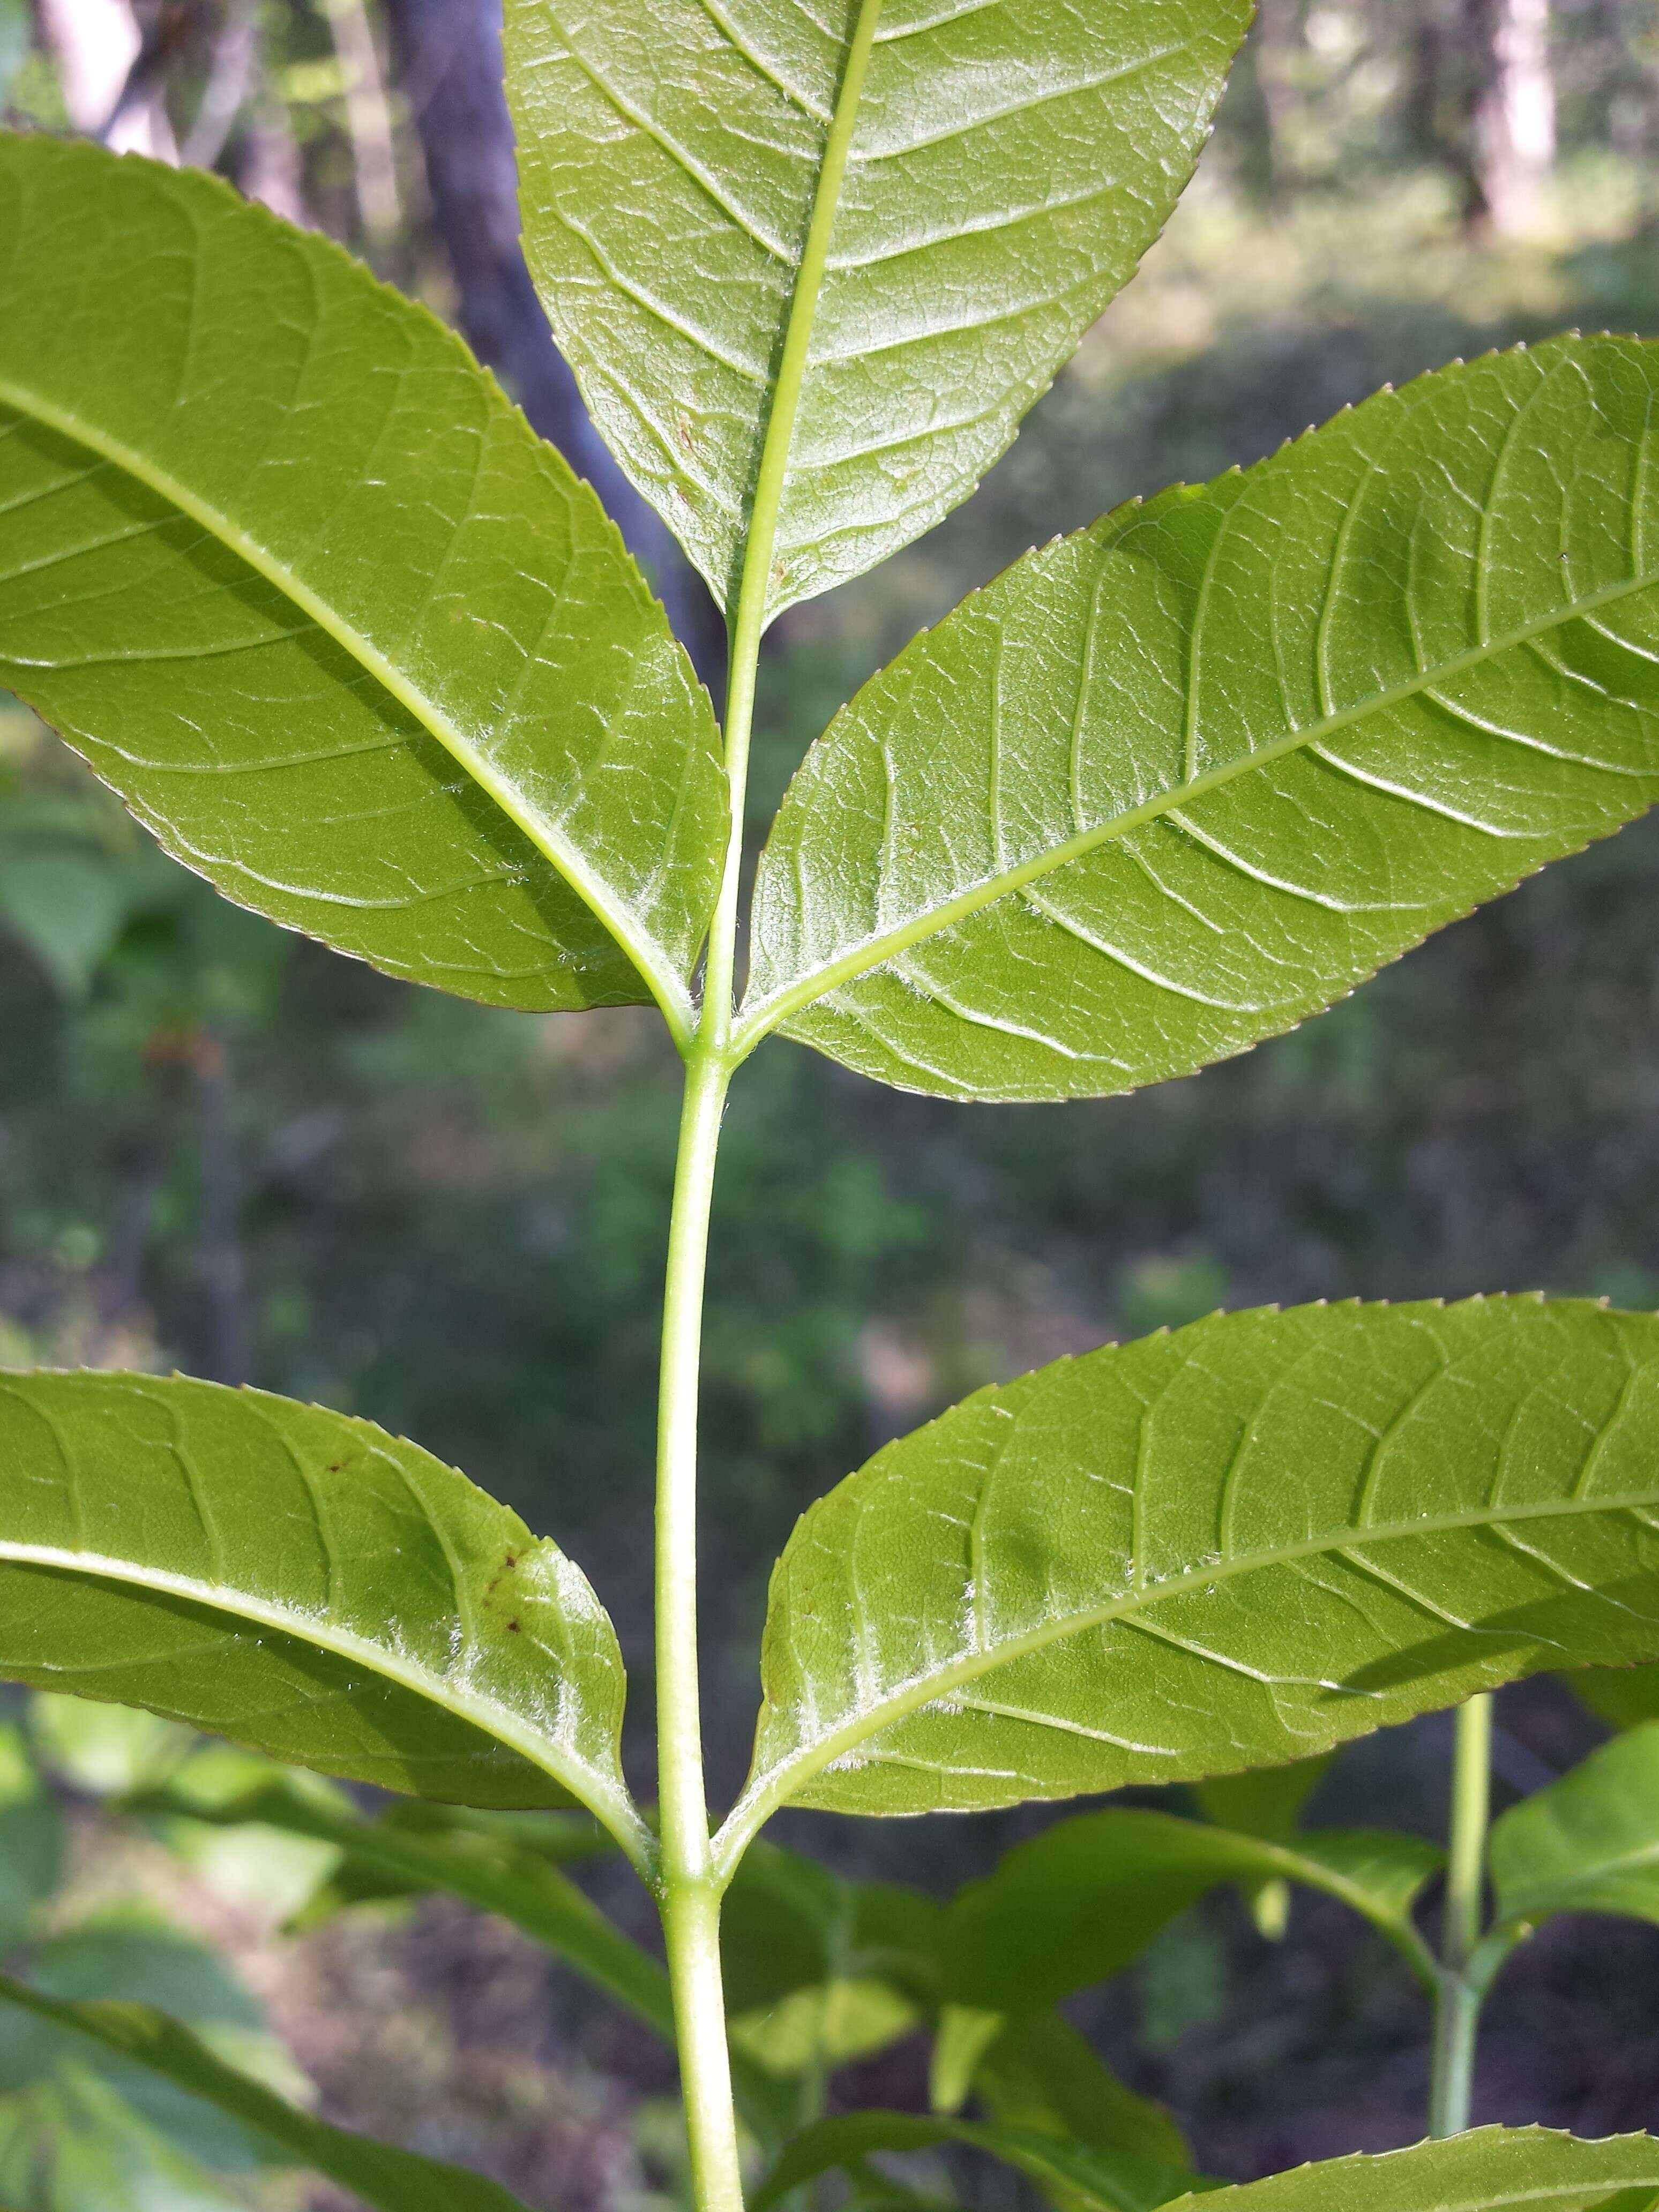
587, 1783
772, 478
768, 1791
647, 955
766, 1014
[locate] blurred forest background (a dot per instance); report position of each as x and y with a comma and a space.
225, 1150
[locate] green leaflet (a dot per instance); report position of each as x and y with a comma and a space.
1078, 1903
1040, 2074
497, 1862
1267, 1802
131, 1957
1624, 1697
31, 1839
72, 2144
1486, 2170
1170, 785
1237, 1545
837, 253
1104, 2181
413, 1849
789, 1924
1589, 1843
285, 565
300, 1581
382, 2175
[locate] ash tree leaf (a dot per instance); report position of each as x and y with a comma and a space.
1623, 1697
811, 265
1588, 1843
31, 1838
1077, 1904
1103, 2181
381, 2174
1169, 785
789, 1924
499, 1863
73, 2144
1487, 2170
284, 565
1267, 1802
1234, 1545
305, 1584
1040, 2075
411, 1850
133, 1957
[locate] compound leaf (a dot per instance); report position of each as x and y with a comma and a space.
1172, 784
380, 2173
1079, 1902
284, 565
1104, 2181
304, 1583
1233, 1545
1485, 2171
811, 265
1588, 1843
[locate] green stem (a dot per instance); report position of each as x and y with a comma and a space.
690, 1886
689, 1890
1457, 2009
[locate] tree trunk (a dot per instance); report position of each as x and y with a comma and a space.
449, 54
98, 45
1513, 121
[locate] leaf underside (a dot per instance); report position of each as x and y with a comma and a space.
1075, 2174
1077, 1904
380, 2173
1241, 1543
1170, 785
288, 569
1485, 2171
301, 1583
1588, 1843
1006, 162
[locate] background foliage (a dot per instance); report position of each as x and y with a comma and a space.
222, 1149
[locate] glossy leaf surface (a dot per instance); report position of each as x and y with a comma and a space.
1237, 1545
874, 232
1079, 1902
380, 2173
1170, 785
282, 562
300, 1581
1588, 1843
1486, 2170
1105, 2181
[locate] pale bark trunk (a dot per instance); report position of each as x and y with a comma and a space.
96, 44
1514, 119
450, 70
